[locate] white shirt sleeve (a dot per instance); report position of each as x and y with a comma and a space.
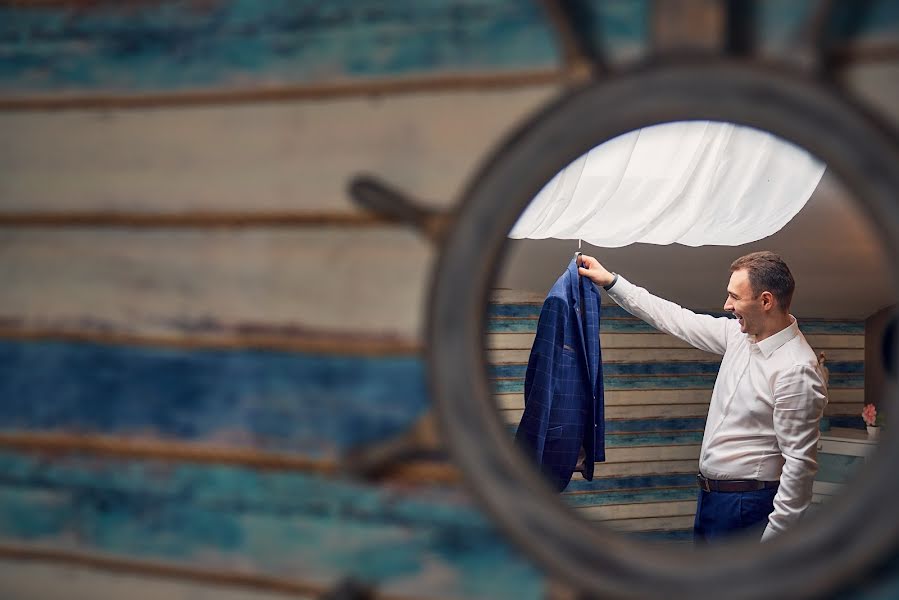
700, 331
799, 399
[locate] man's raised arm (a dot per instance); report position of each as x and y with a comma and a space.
700, 331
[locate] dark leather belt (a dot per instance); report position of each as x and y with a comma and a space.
734, 485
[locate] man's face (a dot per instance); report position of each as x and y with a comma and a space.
742, 304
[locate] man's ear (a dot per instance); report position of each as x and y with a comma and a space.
767, 300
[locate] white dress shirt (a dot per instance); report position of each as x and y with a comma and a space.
766, 405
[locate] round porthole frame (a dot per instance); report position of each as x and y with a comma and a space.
819, 556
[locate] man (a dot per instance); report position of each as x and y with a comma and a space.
759, 450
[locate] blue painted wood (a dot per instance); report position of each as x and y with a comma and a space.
505, 316
277, 401
605, 484
505, 371
430, 540
631, 440
851, 421
878, 20
850, 380
616, 324
668, 382
186, 44
509, 386
182, 44
625, 368
628, 440
837, 468
643, 425
838, 369
632, 496
673, 535
605, 326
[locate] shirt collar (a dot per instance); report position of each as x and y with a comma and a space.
771, 343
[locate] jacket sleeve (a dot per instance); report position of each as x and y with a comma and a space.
799, 399
538, 382
700, 331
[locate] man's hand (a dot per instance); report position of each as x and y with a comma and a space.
594, 271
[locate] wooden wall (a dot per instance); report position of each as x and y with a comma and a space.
198, 330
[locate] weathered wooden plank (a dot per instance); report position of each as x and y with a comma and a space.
24, 578
637, 427
524, 341
247, 522
625, 504
659, 368
647, 510
664, 411
653, 411
646, 368
180, 284
316, 406
181, 45
648, 523
612, 355
661, 399
619, 382
293, 158
837, 468
607, 484
633, 325
649, 453
651, 468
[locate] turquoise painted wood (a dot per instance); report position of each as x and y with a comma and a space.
606, 484
636, 440
521, 318
632, 496
837, 468
677, 382
674, 382
283, 524
303, 403
172, 45
507, 371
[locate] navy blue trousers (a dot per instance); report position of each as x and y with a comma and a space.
721, 514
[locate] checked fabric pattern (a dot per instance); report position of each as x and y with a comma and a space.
563, 388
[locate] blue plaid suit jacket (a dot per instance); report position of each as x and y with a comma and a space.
563, 390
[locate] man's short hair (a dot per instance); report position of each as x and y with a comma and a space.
768, 273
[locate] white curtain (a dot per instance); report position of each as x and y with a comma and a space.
693, 183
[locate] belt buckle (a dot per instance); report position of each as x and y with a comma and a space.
703, 483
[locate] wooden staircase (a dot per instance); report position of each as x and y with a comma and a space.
657, 391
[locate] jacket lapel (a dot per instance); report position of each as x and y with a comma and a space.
574, 293
583, 298
590, 310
